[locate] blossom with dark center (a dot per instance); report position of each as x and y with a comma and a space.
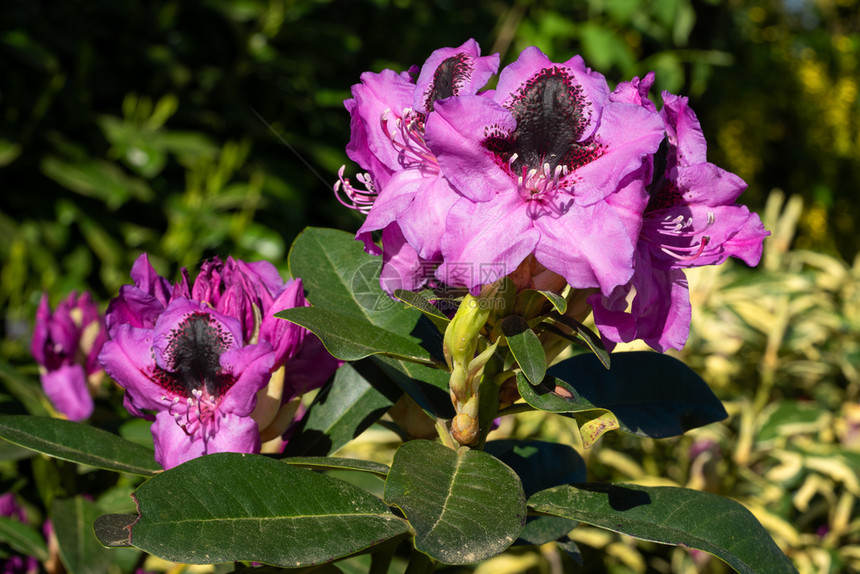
691, 219
210, 363
66, 344
404, 183
547, 165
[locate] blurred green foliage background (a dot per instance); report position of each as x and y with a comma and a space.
203, 127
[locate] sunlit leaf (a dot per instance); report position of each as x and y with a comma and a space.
464, 505
671, 515
227, 507
356, 398
526, 348
79, 443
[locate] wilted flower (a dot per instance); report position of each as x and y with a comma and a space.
66, 344
200, 359
691, 220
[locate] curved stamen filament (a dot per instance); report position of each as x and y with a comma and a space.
360, 200
674, 251
540, 184
410, 144
195, 413
681, 227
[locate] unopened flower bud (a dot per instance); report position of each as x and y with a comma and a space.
464, 428
461, 336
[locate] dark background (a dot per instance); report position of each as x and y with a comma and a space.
188, 129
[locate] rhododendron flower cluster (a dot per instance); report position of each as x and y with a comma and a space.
209, 362
551, 170
66, 344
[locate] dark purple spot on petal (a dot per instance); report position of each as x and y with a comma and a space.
551, 113
448, 79
664, 192
193, 357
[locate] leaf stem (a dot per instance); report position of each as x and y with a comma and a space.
445, 435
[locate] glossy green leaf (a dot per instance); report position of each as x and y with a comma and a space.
356, 398
332, 463
422, 302
541, 465
581, 335
113, 530
558, 302
652, 395
428, 386
227, 507
526, 348
80, 550
464, 505
79, 443
23, 538
671, 515
340, 277
555, 396
350, 339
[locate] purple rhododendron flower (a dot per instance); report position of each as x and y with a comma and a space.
550, 178
200, 358
66, 344
407, 196
547, 166
691, 219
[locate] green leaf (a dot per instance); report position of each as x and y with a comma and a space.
422, 302
464, 505
80, 550
340, 277
428, 386
227, 507
331, 463
582, 335
23, 538
78, 443
113, 530
541, 465
526, 348
350, 339
25, 389
555, 396
652, 395
559, 303
671, 515
356, 398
